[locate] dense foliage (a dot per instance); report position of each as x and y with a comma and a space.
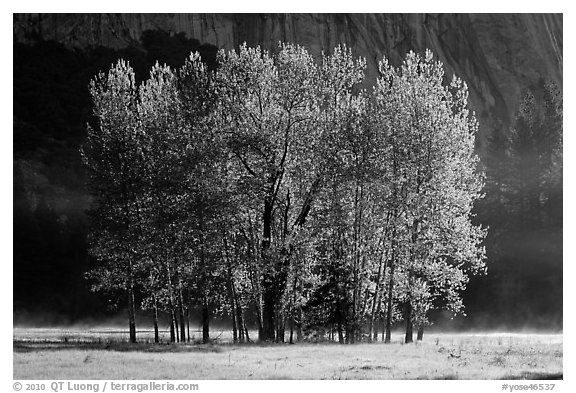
52, 106
274, 190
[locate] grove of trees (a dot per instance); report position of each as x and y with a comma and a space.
275, 191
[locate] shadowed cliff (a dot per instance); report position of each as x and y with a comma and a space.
498, 55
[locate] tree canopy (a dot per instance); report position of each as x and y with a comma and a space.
276, 191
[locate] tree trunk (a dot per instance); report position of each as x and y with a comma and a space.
389, 305
241, 337
280, 329
181, 314
256, 293
378, 310
188, 323
373, 330
239, 320
299, 325
268, 287
172, 332
234, 330
131, 314
357, 309
409, 325
420, 333
233, 309
131, 306
362, 316
231, 294
349, 332
260, 324
377, 302
205, 323
246, 332
175, 317
268, 311
155, 317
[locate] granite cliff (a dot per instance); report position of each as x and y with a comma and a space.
498, 55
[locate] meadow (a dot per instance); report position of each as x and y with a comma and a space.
106, 354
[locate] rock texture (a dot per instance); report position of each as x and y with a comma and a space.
498, 55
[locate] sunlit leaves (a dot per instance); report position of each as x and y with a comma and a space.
189, 168
434, 174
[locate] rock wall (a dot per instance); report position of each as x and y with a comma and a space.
498, 55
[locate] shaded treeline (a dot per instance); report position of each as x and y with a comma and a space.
51, 109
523, 207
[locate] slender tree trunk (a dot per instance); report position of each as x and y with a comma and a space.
358, 305
175, 317
173, 322
131, 305
256, 288
350, 326
268, 310
246, 332
280, 328
409, 324
131, 313
239, 319
378, 310
188, 324
373, 332
420, 333
268, 287
155, 317
340, 333
392, 262
205, 323
233, 309
260, 323
361, 317
241, 337
291, 309
299, 325
377, 302
181, 314
234, 330
348, 333
231, 295
389, 305
172, 332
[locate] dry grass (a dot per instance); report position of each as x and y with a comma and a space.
58, 354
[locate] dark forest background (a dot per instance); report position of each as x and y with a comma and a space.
523, 288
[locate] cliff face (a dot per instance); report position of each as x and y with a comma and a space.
498, 55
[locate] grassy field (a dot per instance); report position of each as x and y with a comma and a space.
104, 354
